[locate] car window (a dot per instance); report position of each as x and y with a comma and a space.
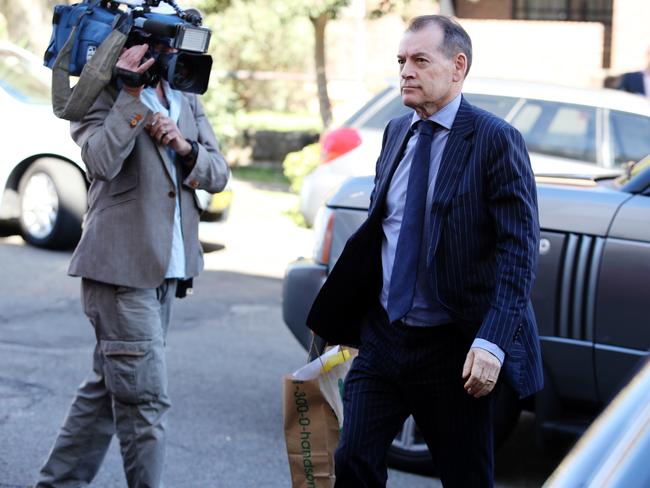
391, 109
18, 78
630, 134
370, 103
499, 106
558, 129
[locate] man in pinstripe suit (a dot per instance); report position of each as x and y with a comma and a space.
435, 285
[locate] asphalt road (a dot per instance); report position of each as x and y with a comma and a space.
228, 350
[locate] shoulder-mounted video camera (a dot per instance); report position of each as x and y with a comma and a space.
177, 41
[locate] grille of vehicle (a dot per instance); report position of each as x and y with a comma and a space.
577, 290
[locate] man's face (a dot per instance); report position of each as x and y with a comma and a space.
428, 79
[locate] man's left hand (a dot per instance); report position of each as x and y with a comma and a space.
165, 131
481, 370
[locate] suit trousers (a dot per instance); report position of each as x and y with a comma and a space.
125, 393
400, 371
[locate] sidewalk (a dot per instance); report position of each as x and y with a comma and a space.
259, 236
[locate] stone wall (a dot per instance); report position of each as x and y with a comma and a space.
273, 146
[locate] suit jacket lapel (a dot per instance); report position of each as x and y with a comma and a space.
395, 152
166, 162
452, 165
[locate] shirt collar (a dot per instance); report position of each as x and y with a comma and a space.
445, 116
150, 99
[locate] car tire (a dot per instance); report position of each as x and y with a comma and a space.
410, 453
52, 204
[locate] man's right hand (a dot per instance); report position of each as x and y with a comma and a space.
130, 60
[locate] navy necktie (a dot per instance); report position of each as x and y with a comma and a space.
407, 253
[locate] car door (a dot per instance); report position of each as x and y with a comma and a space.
622, 322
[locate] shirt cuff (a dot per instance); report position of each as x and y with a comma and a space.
491, 348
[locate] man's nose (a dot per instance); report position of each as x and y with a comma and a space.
407, 70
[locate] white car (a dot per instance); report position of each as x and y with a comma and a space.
567, 130
42, 183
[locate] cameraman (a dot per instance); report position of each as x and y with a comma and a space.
146, 150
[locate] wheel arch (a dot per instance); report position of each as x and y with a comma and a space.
19, 170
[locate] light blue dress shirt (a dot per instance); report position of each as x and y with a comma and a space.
426, 310
176, 267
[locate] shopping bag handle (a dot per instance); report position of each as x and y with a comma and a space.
316, 347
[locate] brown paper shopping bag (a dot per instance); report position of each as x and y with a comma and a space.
311, 427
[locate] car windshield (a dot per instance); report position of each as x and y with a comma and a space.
19, 77
393, 107
498, 105
359, 113
633, 169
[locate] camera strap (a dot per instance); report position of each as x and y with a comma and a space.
73, 103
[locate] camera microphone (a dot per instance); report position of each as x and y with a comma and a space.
156, 27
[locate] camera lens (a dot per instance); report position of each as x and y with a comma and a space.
182, 77
187, 72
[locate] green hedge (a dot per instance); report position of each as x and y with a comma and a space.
299, 164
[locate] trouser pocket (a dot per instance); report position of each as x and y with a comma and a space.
134, 370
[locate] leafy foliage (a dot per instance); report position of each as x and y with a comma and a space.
315, 8
299, 164
251, 37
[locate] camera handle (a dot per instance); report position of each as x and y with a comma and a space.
135, 80
129, 78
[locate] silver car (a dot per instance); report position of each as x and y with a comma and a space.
567, 131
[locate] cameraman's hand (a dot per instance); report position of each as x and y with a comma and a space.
164, 131
130, 60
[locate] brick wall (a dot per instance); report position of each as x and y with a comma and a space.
484, 9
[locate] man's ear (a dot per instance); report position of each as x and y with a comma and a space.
460, 67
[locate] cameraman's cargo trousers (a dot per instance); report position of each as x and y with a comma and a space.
126, 393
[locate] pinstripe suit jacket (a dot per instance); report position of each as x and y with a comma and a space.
483, 248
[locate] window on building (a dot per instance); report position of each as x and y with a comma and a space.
576, 10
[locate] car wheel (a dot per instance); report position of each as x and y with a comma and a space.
52, 204
409, 452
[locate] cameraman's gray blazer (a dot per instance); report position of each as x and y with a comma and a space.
127, 232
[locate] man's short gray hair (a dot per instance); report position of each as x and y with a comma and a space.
455, 39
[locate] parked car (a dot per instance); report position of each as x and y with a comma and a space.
42, 184
567, 131
614, 451
589, 296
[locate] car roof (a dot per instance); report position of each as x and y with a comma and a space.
595, 97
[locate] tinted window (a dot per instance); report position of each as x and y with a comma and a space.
18, 78
499, 106
558, 129
630, 134
393, 108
